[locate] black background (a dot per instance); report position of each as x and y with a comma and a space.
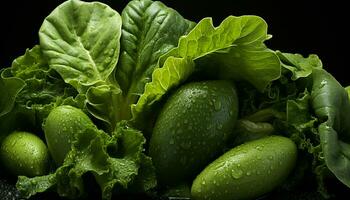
306, 27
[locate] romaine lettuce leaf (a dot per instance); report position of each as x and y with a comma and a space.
150, 29
318, 118
331, 105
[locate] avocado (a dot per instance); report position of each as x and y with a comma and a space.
192, 129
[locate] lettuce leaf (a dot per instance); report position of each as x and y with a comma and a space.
298, 65
9, 87
235, 49
318, 119
81, 42
150, 29
331, 105
91, 154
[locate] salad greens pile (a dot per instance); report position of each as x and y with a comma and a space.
119, 68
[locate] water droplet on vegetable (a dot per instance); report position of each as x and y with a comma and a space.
219, 126
259, 148
171, 141
236, 173
187, 145
217, 105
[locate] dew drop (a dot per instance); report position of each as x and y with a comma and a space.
236, 173
171, 141
231, 113
219, 127
259, 148
217, 105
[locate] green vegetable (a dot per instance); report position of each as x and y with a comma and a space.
233, 50
194, 124
23, 153
60, 126
247, 171
116, 71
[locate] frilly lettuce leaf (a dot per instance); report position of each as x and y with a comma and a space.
318, 118
298, 65
113, 161
41, 90
214, 49
105, 103
9, 87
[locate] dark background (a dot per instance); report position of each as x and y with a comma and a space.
306, 27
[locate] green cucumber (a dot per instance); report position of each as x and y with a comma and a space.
192, 129
247, 171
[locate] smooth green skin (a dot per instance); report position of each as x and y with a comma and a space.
24, 153
247, 171
60, 126
192, 128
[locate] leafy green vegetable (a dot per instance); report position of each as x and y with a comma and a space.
319, 117
81, 42
119, 70
331, 105
90, 154
213, 49
150, 29
298, 65
9, 87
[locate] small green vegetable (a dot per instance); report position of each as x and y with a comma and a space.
60, 126
24, 153
247, 171
192, 128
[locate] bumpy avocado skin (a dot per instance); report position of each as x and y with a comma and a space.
192, 129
